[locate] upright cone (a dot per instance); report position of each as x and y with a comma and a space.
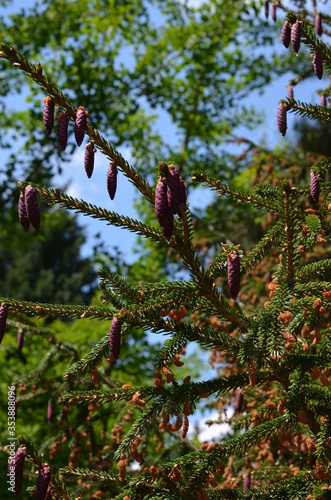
48, 114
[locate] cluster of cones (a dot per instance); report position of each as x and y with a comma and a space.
43, 490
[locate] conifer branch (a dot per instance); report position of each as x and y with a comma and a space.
307, 110
313, 269
264, 246
88, 474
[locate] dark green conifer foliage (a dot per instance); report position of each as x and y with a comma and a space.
273, 342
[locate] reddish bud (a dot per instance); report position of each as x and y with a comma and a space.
234, 274
43, 482
314, 187
115, 337
48, 114
3, 319
80, 125
89, 159
286, 34
295, 37
62, 130
22, 215
318, 65
112, 180
281, 118
31, 206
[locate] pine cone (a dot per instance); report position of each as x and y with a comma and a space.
115, 337
43, 482
323, 100
22, 215
80, 125
266, 9
112, 180
19, 468
295, 37
290, 92
318, 24
281, 118
176, 192
3, 319
234, 274
20, 340
286, 34
239, 400
314, 187
162, 210
62, 130
273, 12
89, 159
318, 65
50, 411
48, 114
31, 206
247, 482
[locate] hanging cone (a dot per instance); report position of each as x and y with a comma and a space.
314, 187
48, 114
234, 274
318, 65
112, 180
80, 125
295, 37
239, 400
19, 468
290, 92
62, 130
281, 118
31, 206
266, 9
3, 319
247, 482
323, 100
286, 34
273, 12
22, 215
89, 159
318, 24
176, 192
115, 337
43, 482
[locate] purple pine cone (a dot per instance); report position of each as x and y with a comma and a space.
22, 215
323, 100
234, 274
286, 34
247, 482
266, 9
89, 159
62, 130
318, 65
314, 187
168, 227
290, 92
50, 411
48, 114
31, 206
281, 118
162, 210
112, 180
3, 319
176, 192
273, 12
18, 465
295, 37
80, 125
239, 400
48, 494
43, 482
20, 340
318, 24
115, 337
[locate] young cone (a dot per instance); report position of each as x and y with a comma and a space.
162, 210
62, 130
318, 65
176, 192
290, 91
323, 100
247, 482
43, 482
89, 159
22, 215
112, 180
286, 34
48, 114
20, 340
19, 468
239, 400
318, 24
314, 187
80, 125
3, 319
234, 274
295, 37
115, 337
281, 118
31, 206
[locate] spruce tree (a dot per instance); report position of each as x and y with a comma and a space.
263, 314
